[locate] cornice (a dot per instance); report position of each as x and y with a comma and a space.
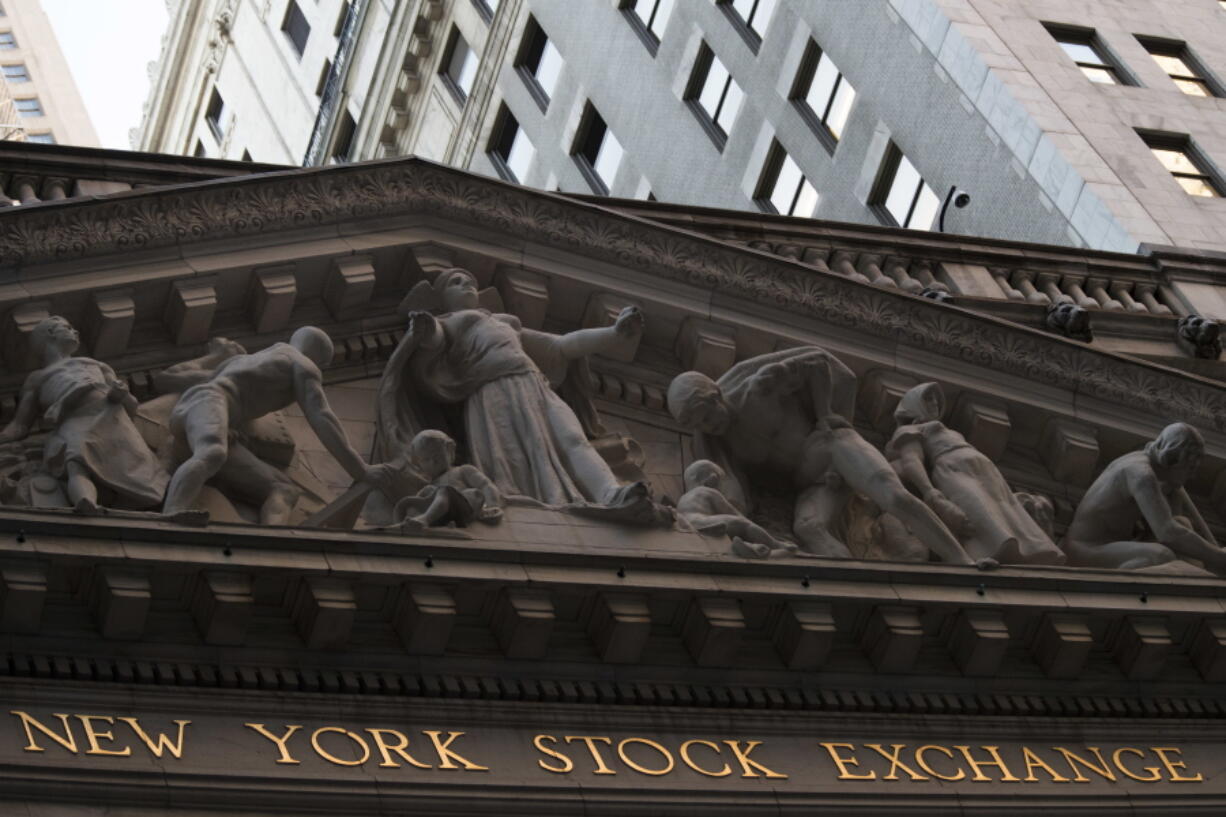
261, 206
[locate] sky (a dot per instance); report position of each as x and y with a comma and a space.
108, 45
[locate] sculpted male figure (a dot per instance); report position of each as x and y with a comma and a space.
219, 401
93, 442
784, 415
1147, 486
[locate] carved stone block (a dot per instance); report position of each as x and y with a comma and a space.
977, 641
23, 590
706, 347
109, 318
423, 618
880, 394
17, 327
523, 620
1208, 649
433, 259
892, 637
221, 604
619, 626
1070, 451
120, 602
804, 634
1061, 643
349, 286
323, 609
525, 295
602, 310
712, 630
190, 309
984, 422
273, 292
1141, 646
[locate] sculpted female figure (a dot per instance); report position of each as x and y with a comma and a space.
962, 485
515, 428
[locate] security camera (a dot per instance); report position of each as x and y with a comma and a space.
962, 199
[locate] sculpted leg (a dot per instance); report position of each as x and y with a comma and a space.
205, 430
250, 476
585, 465
1118, 555
817, 510
82, 493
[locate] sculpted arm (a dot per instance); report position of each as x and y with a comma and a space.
1147, 493
309, 390
473, 478
909, 459
584, 342
1198, 522
181, 376
25, 416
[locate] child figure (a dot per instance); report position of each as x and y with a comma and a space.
710, 513
458, 494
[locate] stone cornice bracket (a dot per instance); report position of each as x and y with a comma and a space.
23, 592
523, 619
109, 318
804, 634
891, 637
18, 324
349, 286
432, 259
524, 293
271, 300
1070, 451
978, 639
705, 346
222, 603
1061, 643
880, 392
713, 629
1141, 645
602, 310
119, 599
619, 626
189, 310
1024, 281
323, 609
423, 617
1208, 649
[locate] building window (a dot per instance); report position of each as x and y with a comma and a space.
41, 138
342, 145
1184, 162
1083, 46
7, 40
459, 66
199, 152
714, 95
597, 151
16, 73
323, 78
29, 107
823, 95
509, 149
215, 115
488, 8
902, 197
783, 187
539, 62
649, 18
751, 18
1181, 66
296, 27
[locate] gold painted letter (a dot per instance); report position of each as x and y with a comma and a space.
1154, 774
568, 764
923, 764
742, 756
996, 761
1172, 765
621, 752
1033, 762
163, 742
590, 740
446, 756
401, 748
844, 762
279, 741
1073, 759
92, 736
68, 741
319, 750
895, 763
685, 756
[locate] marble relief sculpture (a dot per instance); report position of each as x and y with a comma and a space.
705, 508
962, 485
783, 418
218, 400
489, 381
93, 449
1145, 487
452, 494
1199, 337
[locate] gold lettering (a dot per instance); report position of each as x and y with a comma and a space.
446, 756
996, 761
685, 756
590, 740
1172, 765
68, 741
538, 742
844, 762
163, 742
895, 762
742, 757
923, 764
1102, 769
621, 752
1155, 775
279, 741
1033, 762
319, 750
401, 748
92, 736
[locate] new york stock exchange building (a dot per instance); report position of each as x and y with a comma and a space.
391, 489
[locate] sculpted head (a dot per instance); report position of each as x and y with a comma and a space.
703, 474
921, 404
695, 401
54, 333
433, 452
1201, 336
314, 343
456, 289
1176, 452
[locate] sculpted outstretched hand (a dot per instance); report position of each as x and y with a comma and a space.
629, 323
